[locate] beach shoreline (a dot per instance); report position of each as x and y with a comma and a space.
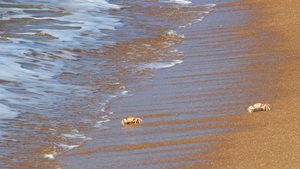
190, 134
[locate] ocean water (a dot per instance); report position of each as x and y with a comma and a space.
63, 63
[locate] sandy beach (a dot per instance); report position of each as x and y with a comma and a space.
199, 120
72, 70
272, 139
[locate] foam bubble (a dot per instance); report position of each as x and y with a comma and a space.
158, 65
124, 92
50, 156
181, 1
68, 146
171, 32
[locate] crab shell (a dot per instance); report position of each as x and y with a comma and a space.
259, 107
131, 120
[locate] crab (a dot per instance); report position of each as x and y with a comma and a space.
259, 107
131, 120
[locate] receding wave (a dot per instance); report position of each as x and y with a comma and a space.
64, 63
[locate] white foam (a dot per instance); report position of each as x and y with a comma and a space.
210, 5
124, 92
103, 109
33, 81
28, 65
75, 134
68, 146
173, 50
162, 65
200, 19
181, 1
99, 123
172, 33
81, 15
50, 156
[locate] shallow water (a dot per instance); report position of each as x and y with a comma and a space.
71, 70
64, 62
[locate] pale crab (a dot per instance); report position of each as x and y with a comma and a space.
259, 107
131, 120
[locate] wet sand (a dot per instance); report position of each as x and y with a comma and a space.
198, 119
272, 141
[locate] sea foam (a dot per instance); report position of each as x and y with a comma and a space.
162, 65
